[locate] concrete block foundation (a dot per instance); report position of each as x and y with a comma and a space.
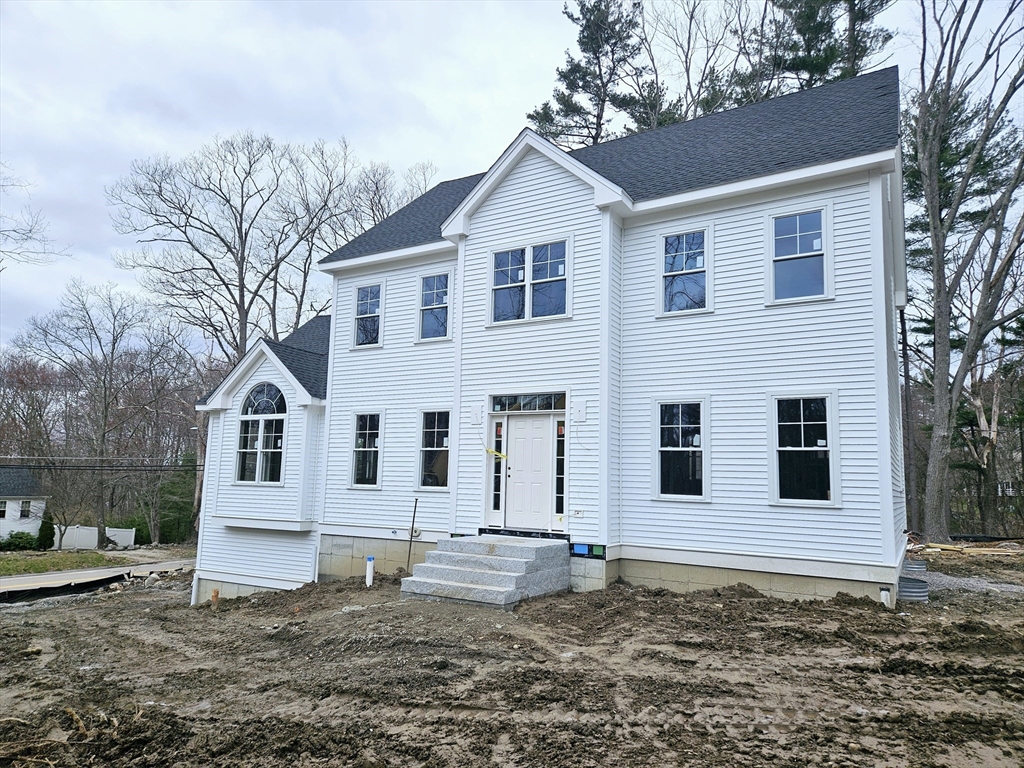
342, 557
586, 575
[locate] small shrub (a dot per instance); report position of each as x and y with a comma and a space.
46, 532
17, 541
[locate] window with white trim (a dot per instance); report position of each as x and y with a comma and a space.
530, 282
434, 450
3, 509
798, 256
434, 307
26, 509
680, 453
367, 331
261, 435
684, 275
366, 450
803, 452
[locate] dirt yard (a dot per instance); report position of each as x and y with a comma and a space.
338, 675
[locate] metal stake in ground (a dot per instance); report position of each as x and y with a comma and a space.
412, 529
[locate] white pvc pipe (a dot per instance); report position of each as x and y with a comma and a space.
369, 570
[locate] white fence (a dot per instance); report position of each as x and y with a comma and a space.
85, 537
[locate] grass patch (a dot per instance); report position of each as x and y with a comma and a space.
12, 563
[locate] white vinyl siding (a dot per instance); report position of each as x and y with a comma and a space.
399, 381
13, 521
538, 202
257, 500
737, 356
242, 552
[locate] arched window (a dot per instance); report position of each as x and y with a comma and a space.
261, 435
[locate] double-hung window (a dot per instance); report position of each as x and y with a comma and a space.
434, 450
366, 450
530, 282
367, 330
798, 256
261, 435
434, 307
3, 509
684, 276
680, 449
26, 508
804, 457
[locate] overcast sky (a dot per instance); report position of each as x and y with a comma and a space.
85, 88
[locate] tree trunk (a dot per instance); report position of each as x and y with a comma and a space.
936, 519
989, 498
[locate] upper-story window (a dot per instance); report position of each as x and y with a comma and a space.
685, 278
368, 315
434, 307
798, 256
26, 508
3, 508
530, 282
261, 435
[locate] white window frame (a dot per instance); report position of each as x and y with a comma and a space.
3, 509
704, 401
419, 305
355, 314
420, 449
708, 228
528, 317
828, 249
831, 397
262, 419
379, 413
26, 509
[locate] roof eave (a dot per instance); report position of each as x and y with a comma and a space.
436, 247
885, 161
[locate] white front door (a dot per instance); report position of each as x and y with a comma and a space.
529, 495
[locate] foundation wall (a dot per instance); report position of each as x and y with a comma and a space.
344, 556
587, 575
228, 590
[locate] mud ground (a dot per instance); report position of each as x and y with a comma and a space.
338, 675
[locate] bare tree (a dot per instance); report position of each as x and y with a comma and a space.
105, 342
236, 225
964, 173
23, 233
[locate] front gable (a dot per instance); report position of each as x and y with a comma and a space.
605, 194
240, 377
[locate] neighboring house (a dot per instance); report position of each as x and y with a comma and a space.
677, 349
22, 502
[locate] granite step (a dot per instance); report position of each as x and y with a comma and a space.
498, 571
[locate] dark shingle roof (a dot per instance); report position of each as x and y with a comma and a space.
18, 482
303, 352
416, 224
833, 122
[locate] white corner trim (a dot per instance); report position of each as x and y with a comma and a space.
220, 399
605, 193
438, 247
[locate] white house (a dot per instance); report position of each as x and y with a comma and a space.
675, 350
22, 502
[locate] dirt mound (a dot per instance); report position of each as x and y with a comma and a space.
335, 674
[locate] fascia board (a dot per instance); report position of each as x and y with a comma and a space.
885, 161
605, 193
371, 259
220, 399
